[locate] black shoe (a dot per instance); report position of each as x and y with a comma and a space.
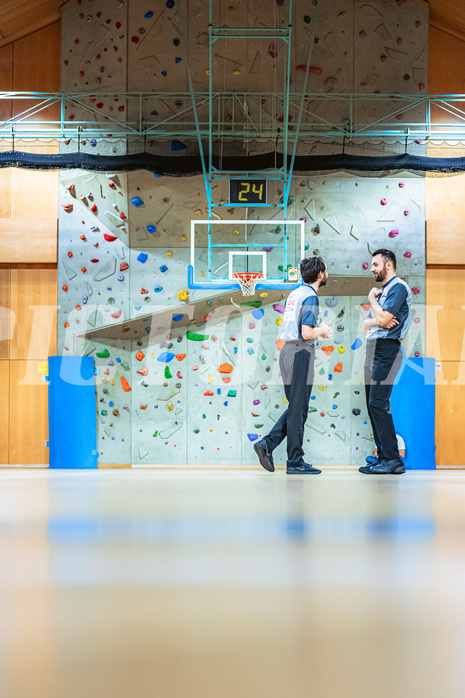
387, 467
264, 455
304, 469
365, 469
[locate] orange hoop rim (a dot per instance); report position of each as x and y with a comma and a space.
248, 276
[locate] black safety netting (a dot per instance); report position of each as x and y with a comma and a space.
181, 157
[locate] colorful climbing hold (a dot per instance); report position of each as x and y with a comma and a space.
357, 344
140, 355
225, 368
125, 385
183, 295
327, 350
338, 368
194, 337
166, 357
168, 372
136, 201
142, 257
232, 393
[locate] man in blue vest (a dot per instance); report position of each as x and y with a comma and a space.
296, 361
386, 326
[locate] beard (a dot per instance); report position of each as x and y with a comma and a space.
323, 282
381, 275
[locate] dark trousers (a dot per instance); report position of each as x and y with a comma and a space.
382, 363
296, 362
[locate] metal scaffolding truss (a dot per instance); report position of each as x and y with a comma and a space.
244, 115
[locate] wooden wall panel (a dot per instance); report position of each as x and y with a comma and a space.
28, 414
446, 64
23, 240
4, 410
34, 194
36, 67
450, 414
445, 314
5, 191
445, 197
445, 242
34, 302
6, 319
6, 79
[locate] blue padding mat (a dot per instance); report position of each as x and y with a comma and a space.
413, 410
71, 412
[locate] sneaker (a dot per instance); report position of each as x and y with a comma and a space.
303, 469
264, 455
371, 460
386, 467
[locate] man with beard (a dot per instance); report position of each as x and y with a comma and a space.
296, 361
386, 325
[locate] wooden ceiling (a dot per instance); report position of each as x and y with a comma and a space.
21, 17
448, 15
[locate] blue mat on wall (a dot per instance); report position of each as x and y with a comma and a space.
71, 412
413, 410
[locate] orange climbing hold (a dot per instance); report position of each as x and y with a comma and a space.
66, 325
64, 287
140, 355
226, 379
125, 385
225, 368
143, 407
209, 393
180, 357
338, 368
143, 371
327, 350
67, 207
365, 306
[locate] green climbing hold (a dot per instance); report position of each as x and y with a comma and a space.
307, 246
197, 337
335, 395
322, 372
333, 426
258, 426
155, 433
280, 267
311, 409
103, 354
251, 304
204, 416
232, 393
249, 340
263, 357
168, 372
103, 412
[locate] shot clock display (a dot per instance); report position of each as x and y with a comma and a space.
247, 191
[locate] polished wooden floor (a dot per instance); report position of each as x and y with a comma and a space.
222, 584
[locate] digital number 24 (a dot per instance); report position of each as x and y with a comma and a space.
255, 190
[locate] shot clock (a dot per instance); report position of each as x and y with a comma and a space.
247, 191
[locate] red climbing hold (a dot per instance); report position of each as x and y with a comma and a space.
144, 291
209, 393
123, 266
64, 288
109, 238
312, 69
83, 269
116, 315
112, 185
70, 254
93, 208
94, 261
122, 216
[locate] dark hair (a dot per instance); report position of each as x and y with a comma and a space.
388, 255
310, 268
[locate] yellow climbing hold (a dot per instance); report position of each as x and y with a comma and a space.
278, 321
285, 400
169, 254
170, 406
263, 295
198, 212
342, 350
236, 72
184, 238
236, 232
322, 387
183, 295
202, 273
210, 379
113, 382
152, 356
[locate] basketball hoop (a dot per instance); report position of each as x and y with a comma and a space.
247, 281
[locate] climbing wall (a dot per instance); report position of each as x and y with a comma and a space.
192, 377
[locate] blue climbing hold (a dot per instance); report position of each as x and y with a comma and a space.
258, 314
169, 4
151, 228
120, 277
143, 257
177, 60
154, 113
357, 344
148, 15
137, 307
111, 403
163, 268
136, 201
157, 175
166, 357
177, 145
177, 318
313, 397
164, 73
218, 391
235, 350
330, 376
157, 289
225, 403
118, 360
176, 42
334, 407
93, 142
250, 351
253, 437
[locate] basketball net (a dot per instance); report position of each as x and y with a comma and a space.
247, 281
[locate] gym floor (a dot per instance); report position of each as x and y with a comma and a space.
227, 583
